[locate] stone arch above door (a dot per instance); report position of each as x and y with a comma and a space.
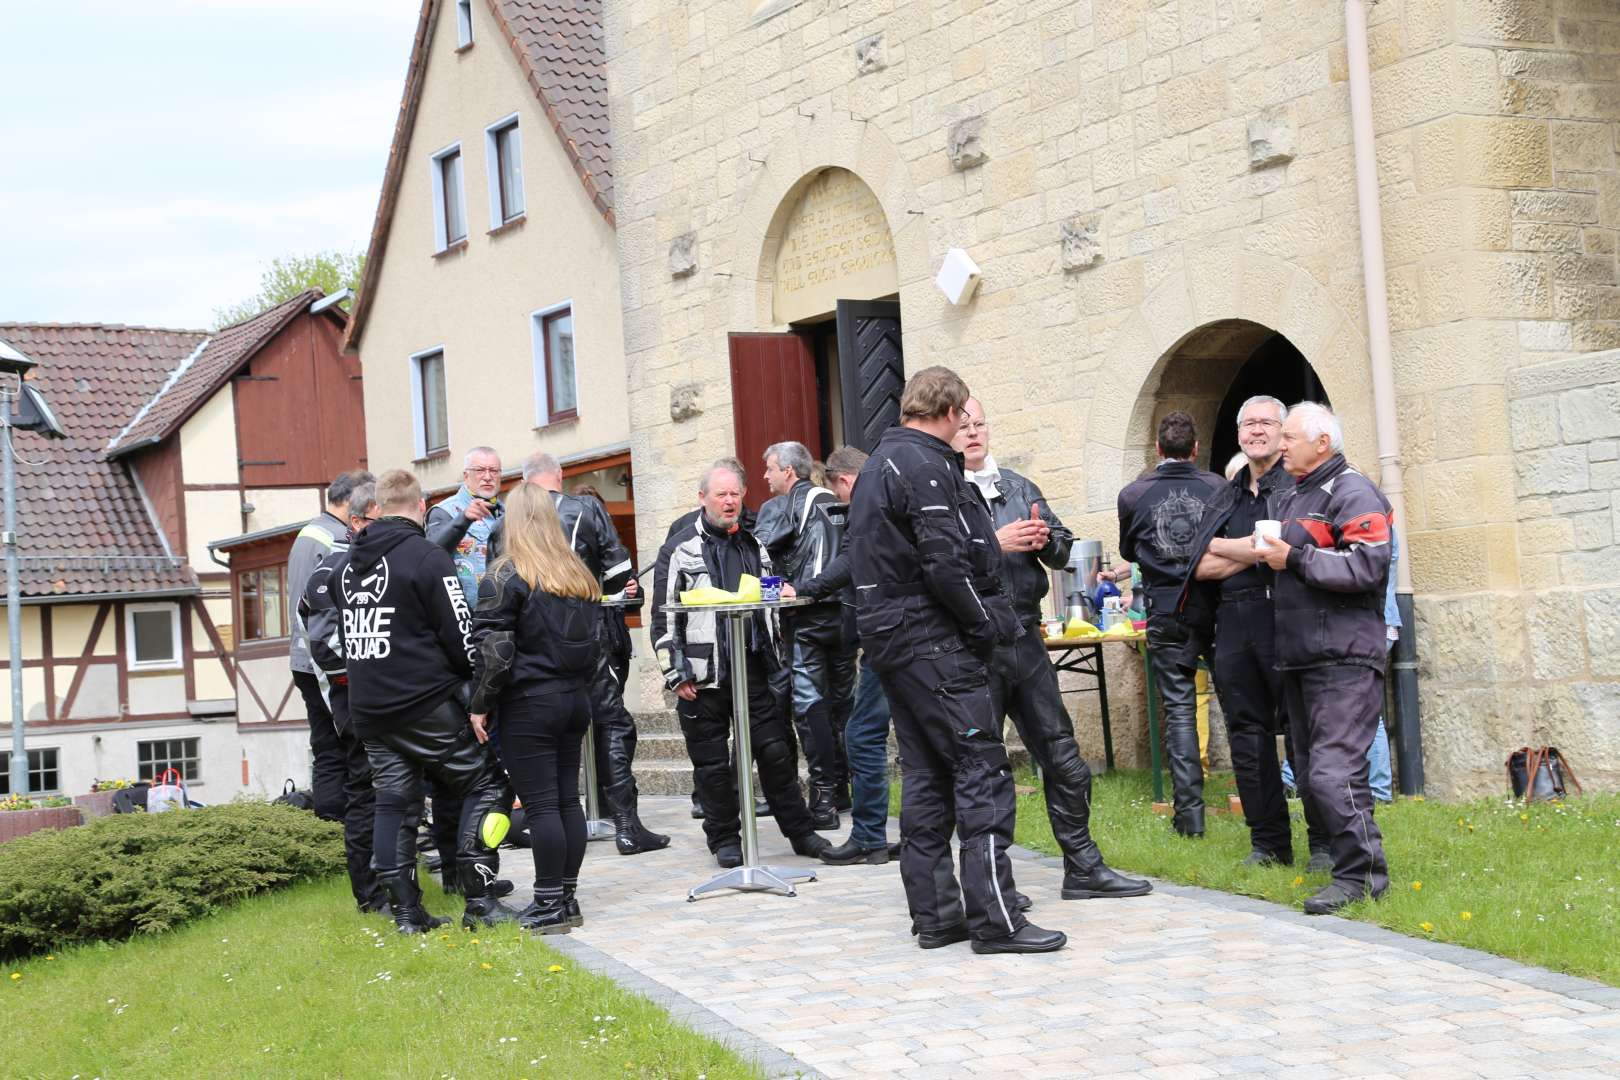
791, 164
1214, 285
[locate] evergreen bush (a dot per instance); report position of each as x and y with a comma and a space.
145, 873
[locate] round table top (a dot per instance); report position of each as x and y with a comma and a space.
751, 605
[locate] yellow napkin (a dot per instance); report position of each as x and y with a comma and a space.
1124, 629
1080, 628
748, 592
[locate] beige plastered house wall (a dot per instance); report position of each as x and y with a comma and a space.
477, 303
1495, 123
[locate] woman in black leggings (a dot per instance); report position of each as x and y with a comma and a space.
536, 641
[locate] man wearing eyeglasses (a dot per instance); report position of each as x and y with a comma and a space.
461, 523
1246, 678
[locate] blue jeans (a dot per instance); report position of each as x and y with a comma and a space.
866, 745
1379, 777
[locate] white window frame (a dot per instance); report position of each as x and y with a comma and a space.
130, 661
464, 27
189, 781
419, 405
441, 234
492, 168
537, 344
41, 751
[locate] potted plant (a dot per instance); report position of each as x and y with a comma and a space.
99, 802
20, 816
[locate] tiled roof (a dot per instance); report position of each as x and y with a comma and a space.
558, 44
202, 374
82, 526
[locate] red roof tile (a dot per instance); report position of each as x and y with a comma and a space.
81, 523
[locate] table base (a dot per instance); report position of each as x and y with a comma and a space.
775, 879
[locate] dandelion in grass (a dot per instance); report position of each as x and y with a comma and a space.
1426, 927
555, 968
49, 958
16, 976
1298, 882
1466, 916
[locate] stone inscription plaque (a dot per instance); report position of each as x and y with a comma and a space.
836, 246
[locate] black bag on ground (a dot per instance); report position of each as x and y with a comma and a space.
291, 796
131, 800
1540, 773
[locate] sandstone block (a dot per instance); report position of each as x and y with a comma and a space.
1560, 470
1605, 475
1192, 101
1601, 609
1501, 151
1271, 138
1534, 423
1549, 619
964, 143
1596, 529
1590, 413
1506, 20
1603, 450
1549, 536
1546, 236
1590, 567
683, 255
1569, 206
1081, 242
1595, 727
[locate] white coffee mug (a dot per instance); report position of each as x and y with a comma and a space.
1266, 530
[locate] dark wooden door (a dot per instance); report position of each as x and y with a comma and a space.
773, 399
871, 369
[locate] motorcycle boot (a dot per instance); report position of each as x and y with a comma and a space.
405, 902
482, 909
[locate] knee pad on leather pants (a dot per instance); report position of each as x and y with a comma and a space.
775, 752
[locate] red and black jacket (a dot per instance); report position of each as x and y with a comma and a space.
1329, 602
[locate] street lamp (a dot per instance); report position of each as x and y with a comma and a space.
32, 414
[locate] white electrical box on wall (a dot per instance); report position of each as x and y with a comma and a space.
959, 277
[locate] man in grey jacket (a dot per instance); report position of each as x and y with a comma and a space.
318, 539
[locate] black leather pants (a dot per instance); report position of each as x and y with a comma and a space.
1024, 686
955, 778
1250, 689
360, 802
439, 745
614, 735
1174, 651
823, 693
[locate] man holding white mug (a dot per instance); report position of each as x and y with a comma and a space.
1332, 562
1246, 679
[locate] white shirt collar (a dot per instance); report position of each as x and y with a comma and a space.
986, 478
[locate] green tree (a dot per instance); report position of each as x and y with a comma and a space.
289, 275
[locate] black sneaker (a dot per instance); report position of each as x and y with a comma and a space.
1030, 939
938, 939
1267, 858
728, 856
849, 852
1336, 896
1103, 883
811, 846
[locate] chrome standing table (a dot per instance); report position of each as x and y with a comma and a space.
752, 875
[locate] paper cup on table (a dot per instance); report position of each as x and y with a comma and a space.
1265, 531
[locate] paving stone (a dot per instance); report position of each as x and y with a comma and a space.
1190, 984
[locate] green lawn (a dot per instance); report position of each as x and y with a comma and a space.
1535, 883
295, 983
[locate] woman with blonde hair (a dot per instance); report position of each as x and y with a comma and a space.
535, 634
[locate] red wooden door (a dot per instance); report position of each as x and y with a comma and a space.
773, 399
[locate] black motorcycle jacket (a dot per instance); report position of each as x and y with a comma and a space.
1160, 518
530, 642
1215, 524
924, 557
1329, 600
1026, 571
803, 541
318, 610
406, 625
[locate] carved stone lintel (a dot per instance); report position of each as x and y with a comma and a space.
964, 143
683, 255
1082, 241
870, 55
684, 401
1271, 138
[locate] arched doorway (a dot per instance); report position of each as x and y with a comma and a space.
1214, 369
833, 373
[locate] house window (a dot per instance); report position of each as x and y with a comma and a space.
449, 198
44, 774
261, 601
152, 757
556, 396
503, 146
429, 404
463, 23
152, 636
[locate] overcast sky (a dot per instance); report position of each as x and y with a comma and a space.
156, 155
